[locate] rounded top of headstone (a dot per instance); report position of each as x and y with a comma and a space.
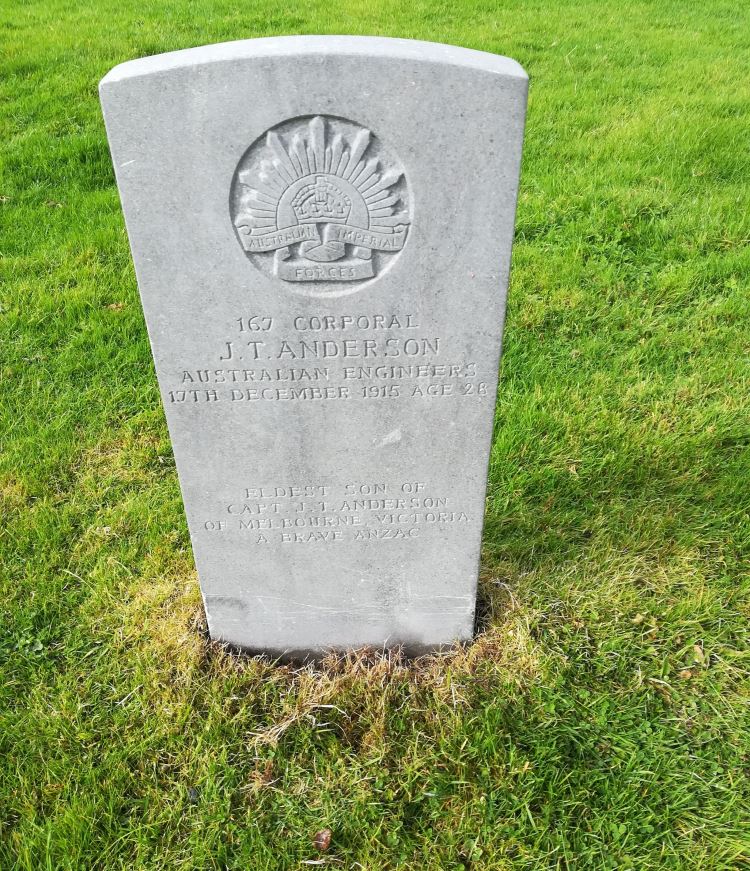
280, 46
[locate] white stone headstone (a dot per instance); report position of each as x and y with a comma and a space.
321, 229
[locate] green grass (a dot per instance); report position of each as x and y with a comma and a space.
601, 719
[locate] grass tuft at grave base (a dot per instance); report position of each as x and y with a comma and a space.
601, 719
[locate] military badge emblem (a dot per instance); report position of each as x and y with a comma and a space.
319, 199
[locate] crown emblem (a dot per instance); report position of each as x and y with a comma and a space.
321, 202
322, 196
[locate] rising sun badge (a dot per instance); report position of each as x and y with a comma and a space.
319, 199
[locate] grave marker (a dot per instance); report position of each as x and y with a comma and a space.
321, 229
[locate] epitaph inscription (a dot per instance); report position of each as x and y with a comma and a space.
321, 229
320, 200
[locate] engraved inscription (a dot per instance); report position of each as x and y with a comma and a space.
319, 200
329, 513
344, 357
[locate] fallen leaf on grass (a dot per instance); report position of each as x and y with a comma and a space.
262, 776
322, 840
661, 687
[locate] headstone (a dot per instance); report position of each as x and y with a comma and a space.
321, 229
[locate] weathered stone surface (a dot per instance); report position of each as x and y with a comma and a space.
321, 229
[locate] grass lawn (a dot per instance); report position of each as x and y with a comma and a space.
601, 720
